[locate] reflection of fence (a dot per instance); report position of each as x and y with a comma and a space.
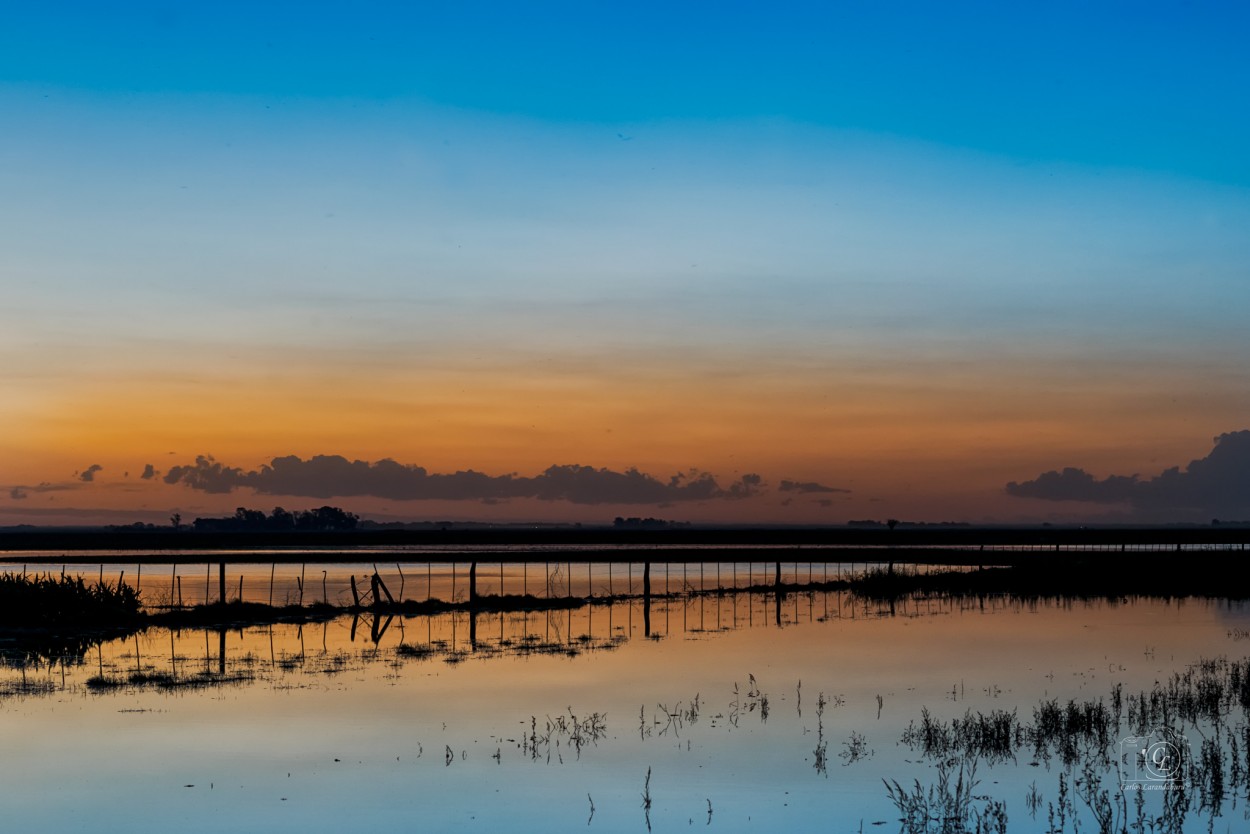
184, 585
190, 657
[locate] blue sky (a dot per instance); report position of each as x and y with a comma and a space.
1158, 86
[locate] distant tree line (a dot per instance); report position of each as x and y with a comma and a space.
894, 522
322, 519
635, 523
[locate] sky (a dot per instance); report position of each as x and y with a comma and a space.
568, 261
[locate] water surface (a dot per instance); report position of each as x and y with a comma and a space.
528, 721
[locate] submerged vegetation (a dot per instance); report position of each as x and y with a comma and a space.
1184, 742
948, 806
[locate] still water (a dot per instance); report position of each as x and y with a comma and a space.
719, 719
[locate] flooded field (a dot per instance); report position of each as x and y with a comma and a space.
719, 711
290, 583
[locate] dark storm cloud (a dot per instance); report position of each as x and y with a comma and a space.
807, 486
326, 476
1217, 485
88, 474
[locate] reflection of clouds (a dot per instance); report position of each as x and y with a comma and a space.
326, 476
1214, 486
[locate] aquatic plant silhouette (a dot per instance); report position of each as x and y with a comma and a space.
64, 602
947, 807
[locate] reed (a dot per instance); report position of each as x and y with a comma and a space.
61, 602
947, 807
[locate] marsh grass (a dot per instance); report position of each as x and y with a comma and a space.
163, 681
565, 730
1072, 576
947, 807
46, 601
1201, 715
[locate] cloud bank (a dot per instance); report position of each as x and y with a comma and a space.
327, 476
1215, 486
22, 492
807, 487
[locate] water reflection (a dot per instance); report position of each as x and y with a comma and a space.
601, 624
756, 709
452, 636
183, 584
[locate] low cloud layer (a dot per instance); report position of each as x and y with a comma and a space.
807, 487
21, 493
1216, 486
327, 476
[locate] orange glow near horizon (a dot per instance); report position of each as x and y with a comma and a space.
930, 440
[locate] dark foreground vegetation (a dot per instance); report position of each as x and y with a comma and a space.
65, 602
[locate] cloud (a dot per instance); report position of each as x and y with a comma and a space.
327, 476
88, 474
21, 492
85, 515
747, 486
149, 472
807, 486
1217, 485
1073, 484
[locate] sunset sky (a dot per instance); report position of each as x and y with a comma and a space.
568, 261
